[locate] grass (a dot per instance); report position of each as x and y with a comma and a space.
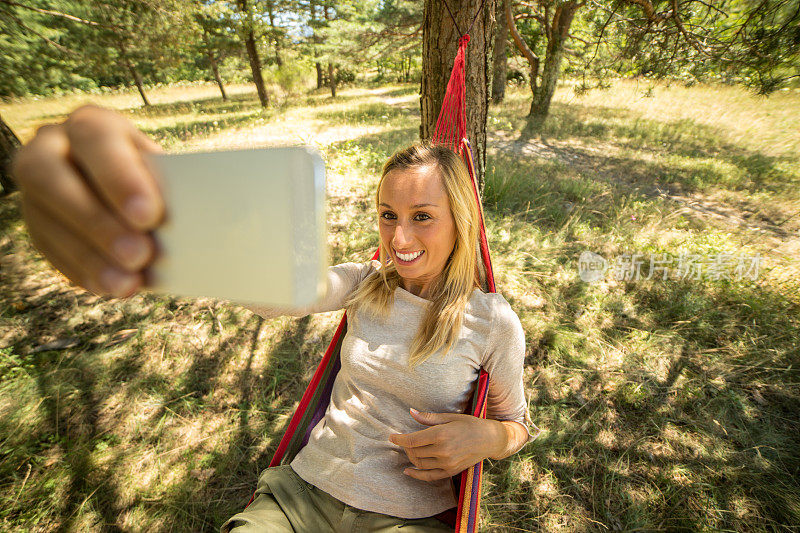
666, 405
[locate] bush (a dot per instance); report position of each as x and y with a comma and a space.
344, 75
291, 77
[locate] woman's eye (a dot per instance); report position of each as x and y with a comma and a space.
387, 215
424, 216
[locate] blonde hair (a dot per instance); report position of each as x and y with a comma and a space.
451, 291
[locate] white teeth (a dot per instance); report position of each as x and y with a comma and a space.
409, 257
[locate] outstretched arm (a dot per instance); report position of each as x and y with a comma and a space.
342, 281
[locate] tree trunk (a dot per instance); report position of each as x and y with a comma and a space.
527, 53
252, 52
270, 13
313, 7
499, 62
137, 78
332, 79
215, 70
540, 105
9, 143
255, 68
439, 45
212, 61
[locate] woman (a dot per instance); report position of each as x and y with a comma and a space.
419, 328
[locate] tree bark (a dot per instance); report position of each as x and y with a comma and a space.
439, 45
9, 143
332, 79
559, 32
252, 52
215, 70
137, 78
527, 53
313, 8
271, 14
212, 61
499, 66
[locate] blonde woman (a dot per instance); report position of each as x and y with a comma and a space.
419, 329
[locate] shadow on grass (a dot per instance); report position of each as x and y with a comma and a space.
376, 147
76, 388
249, 102
216, 104
267, 392
373, 113
700, 158
693, 430
182, 131
71, 428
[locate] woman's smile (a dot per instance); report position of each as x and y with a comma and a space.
408, 258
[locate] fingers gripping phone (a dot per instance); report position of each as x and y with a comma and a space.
244, 225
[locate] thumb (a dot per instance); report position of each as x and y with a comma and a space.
431, 419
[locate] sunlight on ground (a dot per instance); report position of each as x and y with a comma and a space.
664, 405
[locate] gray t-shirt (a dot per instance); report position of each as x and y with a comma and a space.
348, 454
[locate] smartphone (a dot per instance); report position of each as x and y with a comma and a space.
242, 225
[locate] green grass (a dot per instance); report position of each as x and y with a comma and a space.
665, 405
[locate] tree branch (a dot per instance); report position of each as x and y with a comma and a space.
650, 11
584, 41
518, 40
57, 46
689, 38
54, 13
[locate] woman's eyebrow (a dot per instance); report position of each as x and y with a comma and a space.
412, 207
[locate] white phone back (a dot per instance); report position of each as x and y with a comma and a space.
244, 225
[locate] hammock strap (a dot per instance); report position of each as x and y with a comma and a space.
456, 23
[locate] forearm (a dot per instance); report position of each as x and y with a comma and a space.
342, 280
510, 437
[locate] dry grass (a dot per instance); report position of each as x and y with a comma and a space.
666, 405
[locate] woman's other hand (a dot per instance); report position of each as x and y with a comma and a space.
89, 201
453, 443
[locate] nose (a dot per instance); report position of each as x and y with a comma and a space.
402, 237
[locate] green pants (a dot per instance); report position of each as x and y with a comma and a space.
286, 503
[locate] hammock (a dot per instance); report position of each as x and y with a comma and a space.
450, 131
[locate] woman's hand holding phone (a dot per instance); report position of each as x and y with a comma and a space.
89, 201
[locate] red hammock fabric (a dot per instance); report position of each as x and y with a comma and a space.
451, 126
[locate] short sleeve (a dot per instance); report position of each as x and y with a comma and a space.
342, 281
504, 360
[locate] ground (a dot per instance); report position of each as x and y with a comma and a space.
664, 404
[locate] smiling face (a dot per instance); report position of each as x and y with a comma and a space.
416, 225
